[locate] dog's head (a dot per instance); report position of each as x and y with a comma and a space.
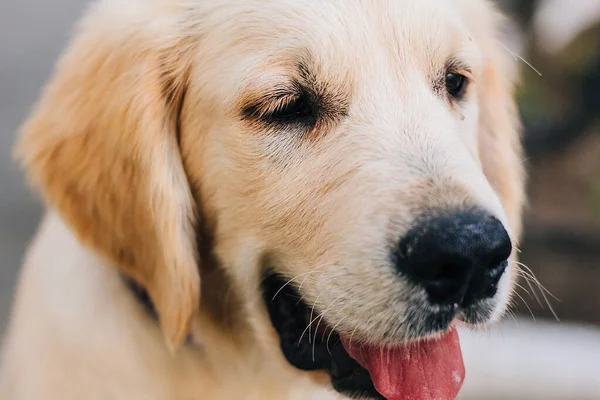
360, 156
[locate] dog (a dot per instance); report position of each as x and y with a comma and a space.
268, 200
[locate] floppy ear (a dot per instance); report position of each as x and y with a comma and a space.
499, 130
102, 147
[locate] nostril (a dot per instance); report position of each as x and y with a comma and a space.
500, 252
442, 272
447, 282
496, 270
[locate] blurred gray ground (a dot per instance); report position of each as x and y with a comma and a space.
32, 34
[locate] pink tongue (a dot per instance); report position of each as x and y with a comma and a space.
428, 370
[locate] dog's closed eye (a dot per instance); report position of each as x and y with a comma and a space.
303, 102
284, 108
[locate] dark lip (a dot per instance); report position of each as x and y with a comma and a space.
321, 350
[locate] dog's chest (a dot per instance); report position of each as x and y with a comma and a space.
257, 385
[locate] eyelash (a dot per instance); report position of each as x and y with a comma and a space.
297, 108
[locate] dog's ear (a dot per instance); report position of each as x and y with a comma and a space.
499, 125
102, 147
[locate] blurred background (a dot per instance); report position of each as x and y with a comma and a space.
32, 35
561, 112
560, 104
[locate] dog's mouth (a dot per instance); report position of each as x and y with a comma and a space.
429, 369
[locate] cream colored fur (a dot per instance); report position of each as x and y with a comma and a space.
139, 148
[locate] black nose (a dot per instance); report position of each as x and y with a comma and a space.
457, 257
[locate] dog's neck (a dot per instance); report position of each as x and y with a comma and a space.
142, 297
220, 307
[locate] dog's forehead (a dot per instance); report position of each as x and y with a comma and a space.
323, 25
339, 39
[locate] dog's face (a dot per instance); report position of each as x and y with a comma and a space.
363, 156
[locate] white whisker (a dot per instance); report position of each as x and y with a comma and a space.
333, 330
526, 305
320, 317
528, 274
518, 57
523, 289
529, 280
306, 274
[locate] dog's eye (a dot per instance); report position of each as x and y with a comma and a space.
456, 84
297, 109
